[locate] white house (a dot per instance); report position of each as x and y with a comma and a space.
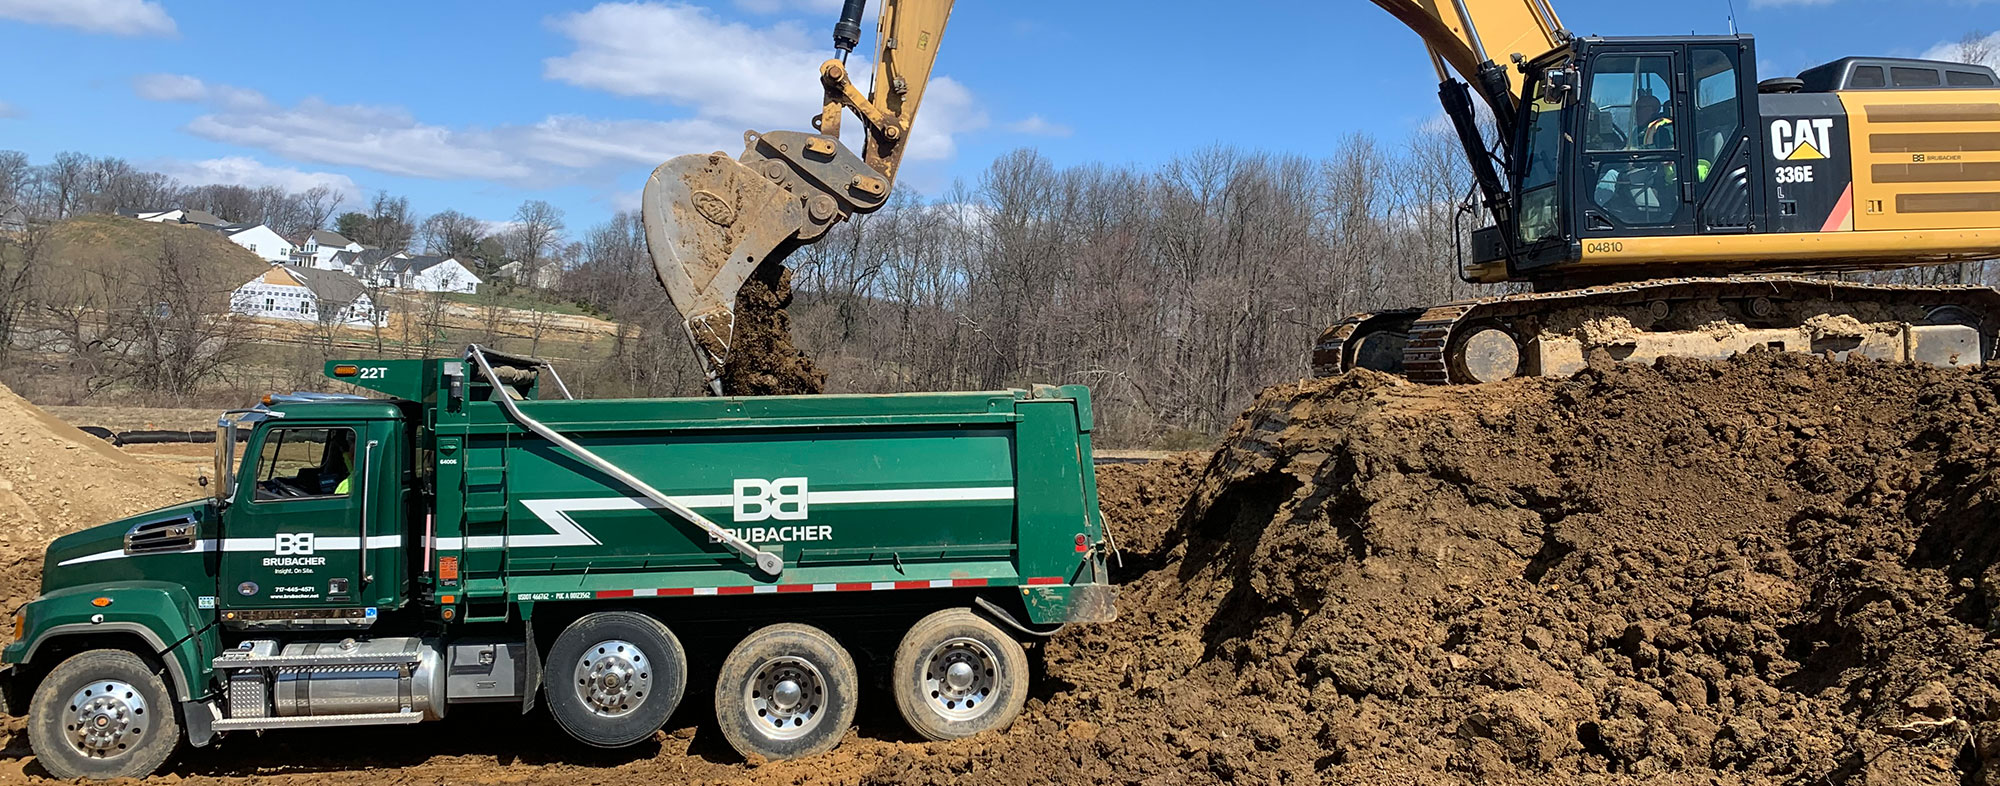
260, 239
368, 264
318, 247
547, 277
430, 274
301, 294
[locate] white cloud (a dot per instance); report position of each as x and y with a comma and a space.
728, 76
10, 111
687, 56
117, 17
780, 6
1036, 125
244, 171
181, 87
1956, 50
732, 75
391, 140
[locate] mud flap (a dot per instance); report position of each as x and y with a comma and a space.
533, 687
1074, 603
12, 700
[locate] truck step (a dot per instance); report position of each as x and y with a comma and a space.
318, 721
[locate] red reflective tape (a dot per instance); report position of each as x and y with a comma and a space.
1039, 581
614, 593
857, 586
795, 588
968, 582
913, 585
734, 590
677, 592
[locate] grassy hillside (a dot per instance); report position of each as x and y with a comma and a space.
115, 245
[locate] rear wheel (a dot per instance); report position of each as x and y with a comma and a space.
103, 714
785, 692
958, 675
614, 677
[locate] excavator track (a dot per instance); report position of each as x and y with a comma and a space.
1552, 333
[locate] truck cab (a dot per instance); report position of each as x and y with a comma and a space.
467, 533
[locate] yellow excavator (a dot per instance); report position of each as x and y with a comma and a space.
1655, 197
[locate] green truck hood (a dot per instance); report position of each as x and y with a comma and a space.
97, 554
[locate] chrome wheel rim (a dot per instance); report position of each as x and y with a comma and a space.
785, 698
961, 676
106, 719
613, 678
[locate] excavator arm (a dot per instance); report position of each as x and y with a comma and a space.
713, 221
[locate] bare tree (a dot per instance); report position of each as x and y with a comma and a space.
1978, 47
451, 233
536, 237
318, 204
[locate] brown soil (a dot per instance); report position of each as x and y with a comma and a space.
763, 361
1765, 571
55, 479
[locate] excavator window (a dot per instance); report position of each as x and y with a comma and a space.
1541, 174
1717, 113
1632, 140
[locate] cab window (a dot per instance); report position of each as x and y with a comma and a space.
1717, 115
1631, 104
1542, 166
305, 462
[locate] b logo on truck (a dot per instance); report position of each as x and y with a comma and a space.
783, 499
300, 543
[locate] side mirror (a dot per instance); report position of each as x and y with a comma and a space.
1559, 85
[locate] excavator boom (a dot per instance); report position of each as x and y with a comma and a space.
1481, 38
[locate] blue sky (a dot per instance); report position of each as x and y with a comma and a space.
478, 106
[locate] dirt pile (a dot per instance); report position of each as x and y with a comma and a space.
55, 479
1772, 570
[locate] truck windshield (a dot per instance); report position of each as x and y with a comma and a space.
1541, 166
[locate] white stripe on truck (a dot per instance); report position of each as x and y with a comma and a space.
564, 531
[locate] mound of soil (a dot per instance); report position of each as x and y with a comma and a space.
1771, 570
55, 479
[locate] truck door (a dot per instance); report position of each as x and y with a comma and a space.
292, 538
1635, 177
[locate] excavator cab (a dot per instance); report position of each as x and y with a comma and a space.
1627, 138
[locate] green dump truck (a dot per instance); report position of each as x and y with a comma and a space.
474, 536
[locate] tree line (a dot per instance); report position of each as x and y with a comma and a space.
1175, 292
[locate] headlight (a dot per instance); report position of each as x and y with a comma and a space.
20, 622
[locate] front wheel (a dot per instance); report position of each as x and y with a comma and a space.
614, 677
102, 714
785, 692
958, 675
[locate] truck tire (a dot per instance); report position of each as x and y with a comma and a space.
785, 692
614, 677
957, 675
103, 714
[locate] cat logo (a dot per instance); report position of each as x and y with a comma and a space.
1805, 139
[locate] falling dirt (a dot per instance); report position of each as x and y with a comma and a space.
1769, 570
763, 361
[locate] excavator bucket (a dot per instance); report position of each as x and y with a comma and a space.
710, 221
